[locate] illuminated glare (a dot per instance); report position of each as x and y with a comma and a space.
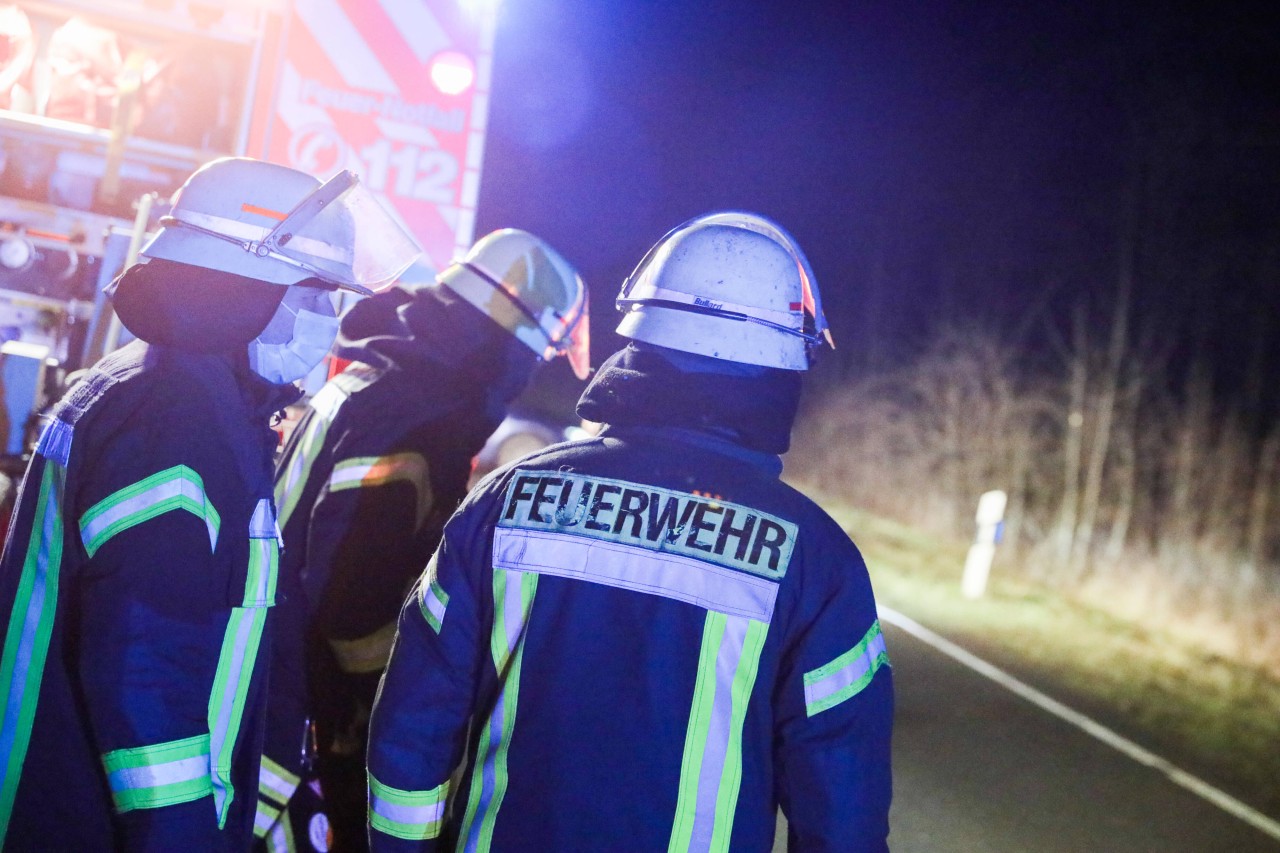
452, 72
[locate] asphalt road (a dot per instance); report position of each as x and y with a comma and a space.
979, 768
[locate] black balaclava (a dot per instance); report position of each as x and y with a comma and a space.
192, 308
647, 385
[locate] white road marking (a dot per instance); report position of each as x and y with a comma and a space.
1178, 776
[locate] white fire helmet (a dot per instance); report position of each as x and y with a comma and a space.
281, 226
730, 285
527, 288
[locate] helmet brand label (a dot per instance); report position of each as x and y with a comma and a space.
727, 534
703, 302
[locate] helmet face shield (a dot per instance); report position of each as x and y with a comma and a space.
528, 289
574, 338
345, 236
238, 215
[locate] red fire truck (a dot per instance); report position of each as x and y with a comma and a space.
107, 106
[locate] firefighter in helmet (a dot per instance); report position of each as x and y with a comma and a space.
644, 640
368, 478
139, 576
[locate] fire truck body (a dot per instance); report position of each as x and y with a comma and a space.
111, 102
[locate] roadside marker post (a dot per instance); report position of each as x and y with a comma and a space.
977, 565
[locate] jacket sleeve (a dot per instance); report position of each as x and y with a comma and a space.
363, 550
419, 725
835, 711
172, 606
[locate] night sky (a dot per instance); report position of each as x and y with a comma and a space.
938, 162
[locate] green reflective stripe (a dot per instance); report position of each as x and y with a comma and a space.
711, 768
513, 600
293, 478
227, 701
178, 487
432, 600
847, 675
368, 471
148, 777
411, 815
366, 654
744, 680
275, 782
26, 642
264, 558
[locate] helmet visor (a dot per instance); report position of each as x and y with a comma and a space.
345, 236
575, 341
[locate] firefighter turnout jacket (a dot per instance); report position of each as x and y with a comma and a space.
640, 641
367, 480
136, 586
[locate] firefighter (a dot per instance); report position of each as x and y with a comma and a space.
366, 482
139, 576
645, 640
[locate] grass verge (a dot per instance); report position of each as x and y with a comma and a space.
1212, 716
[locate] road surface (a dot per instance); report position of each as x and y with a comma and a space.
980, 768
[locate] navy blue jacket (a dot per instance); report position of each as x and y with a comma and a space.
641, 641
136, 585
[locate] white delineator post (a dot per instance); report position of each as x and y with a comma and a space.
977, 566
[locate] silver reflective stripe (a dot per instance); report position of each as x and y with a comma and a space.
178, 487
613, 564
264, 556
155, 775
407, 814
276, 782
847, 675
432, 599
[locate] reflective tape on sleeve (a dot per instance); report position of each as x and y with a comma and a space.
148, 777
411, 815
178, 487
369, 471
847, 675
432, 600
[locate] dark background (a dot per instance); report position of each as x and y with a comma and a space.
989, 165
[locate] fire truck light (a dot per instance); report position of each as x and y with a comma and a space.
16, 253
452, 72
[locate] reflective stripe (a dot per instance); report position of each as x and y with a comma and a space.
265, 818
412, 815
178, 487
276, 783
711, 770
293, 481
278, 838
847, 675
147, 777
26, 642
513, 600
264, 558
613, 564
432, 599
367, 654
367, 471
227, 700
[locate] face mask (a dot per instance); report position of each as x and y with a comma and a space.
297, 338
